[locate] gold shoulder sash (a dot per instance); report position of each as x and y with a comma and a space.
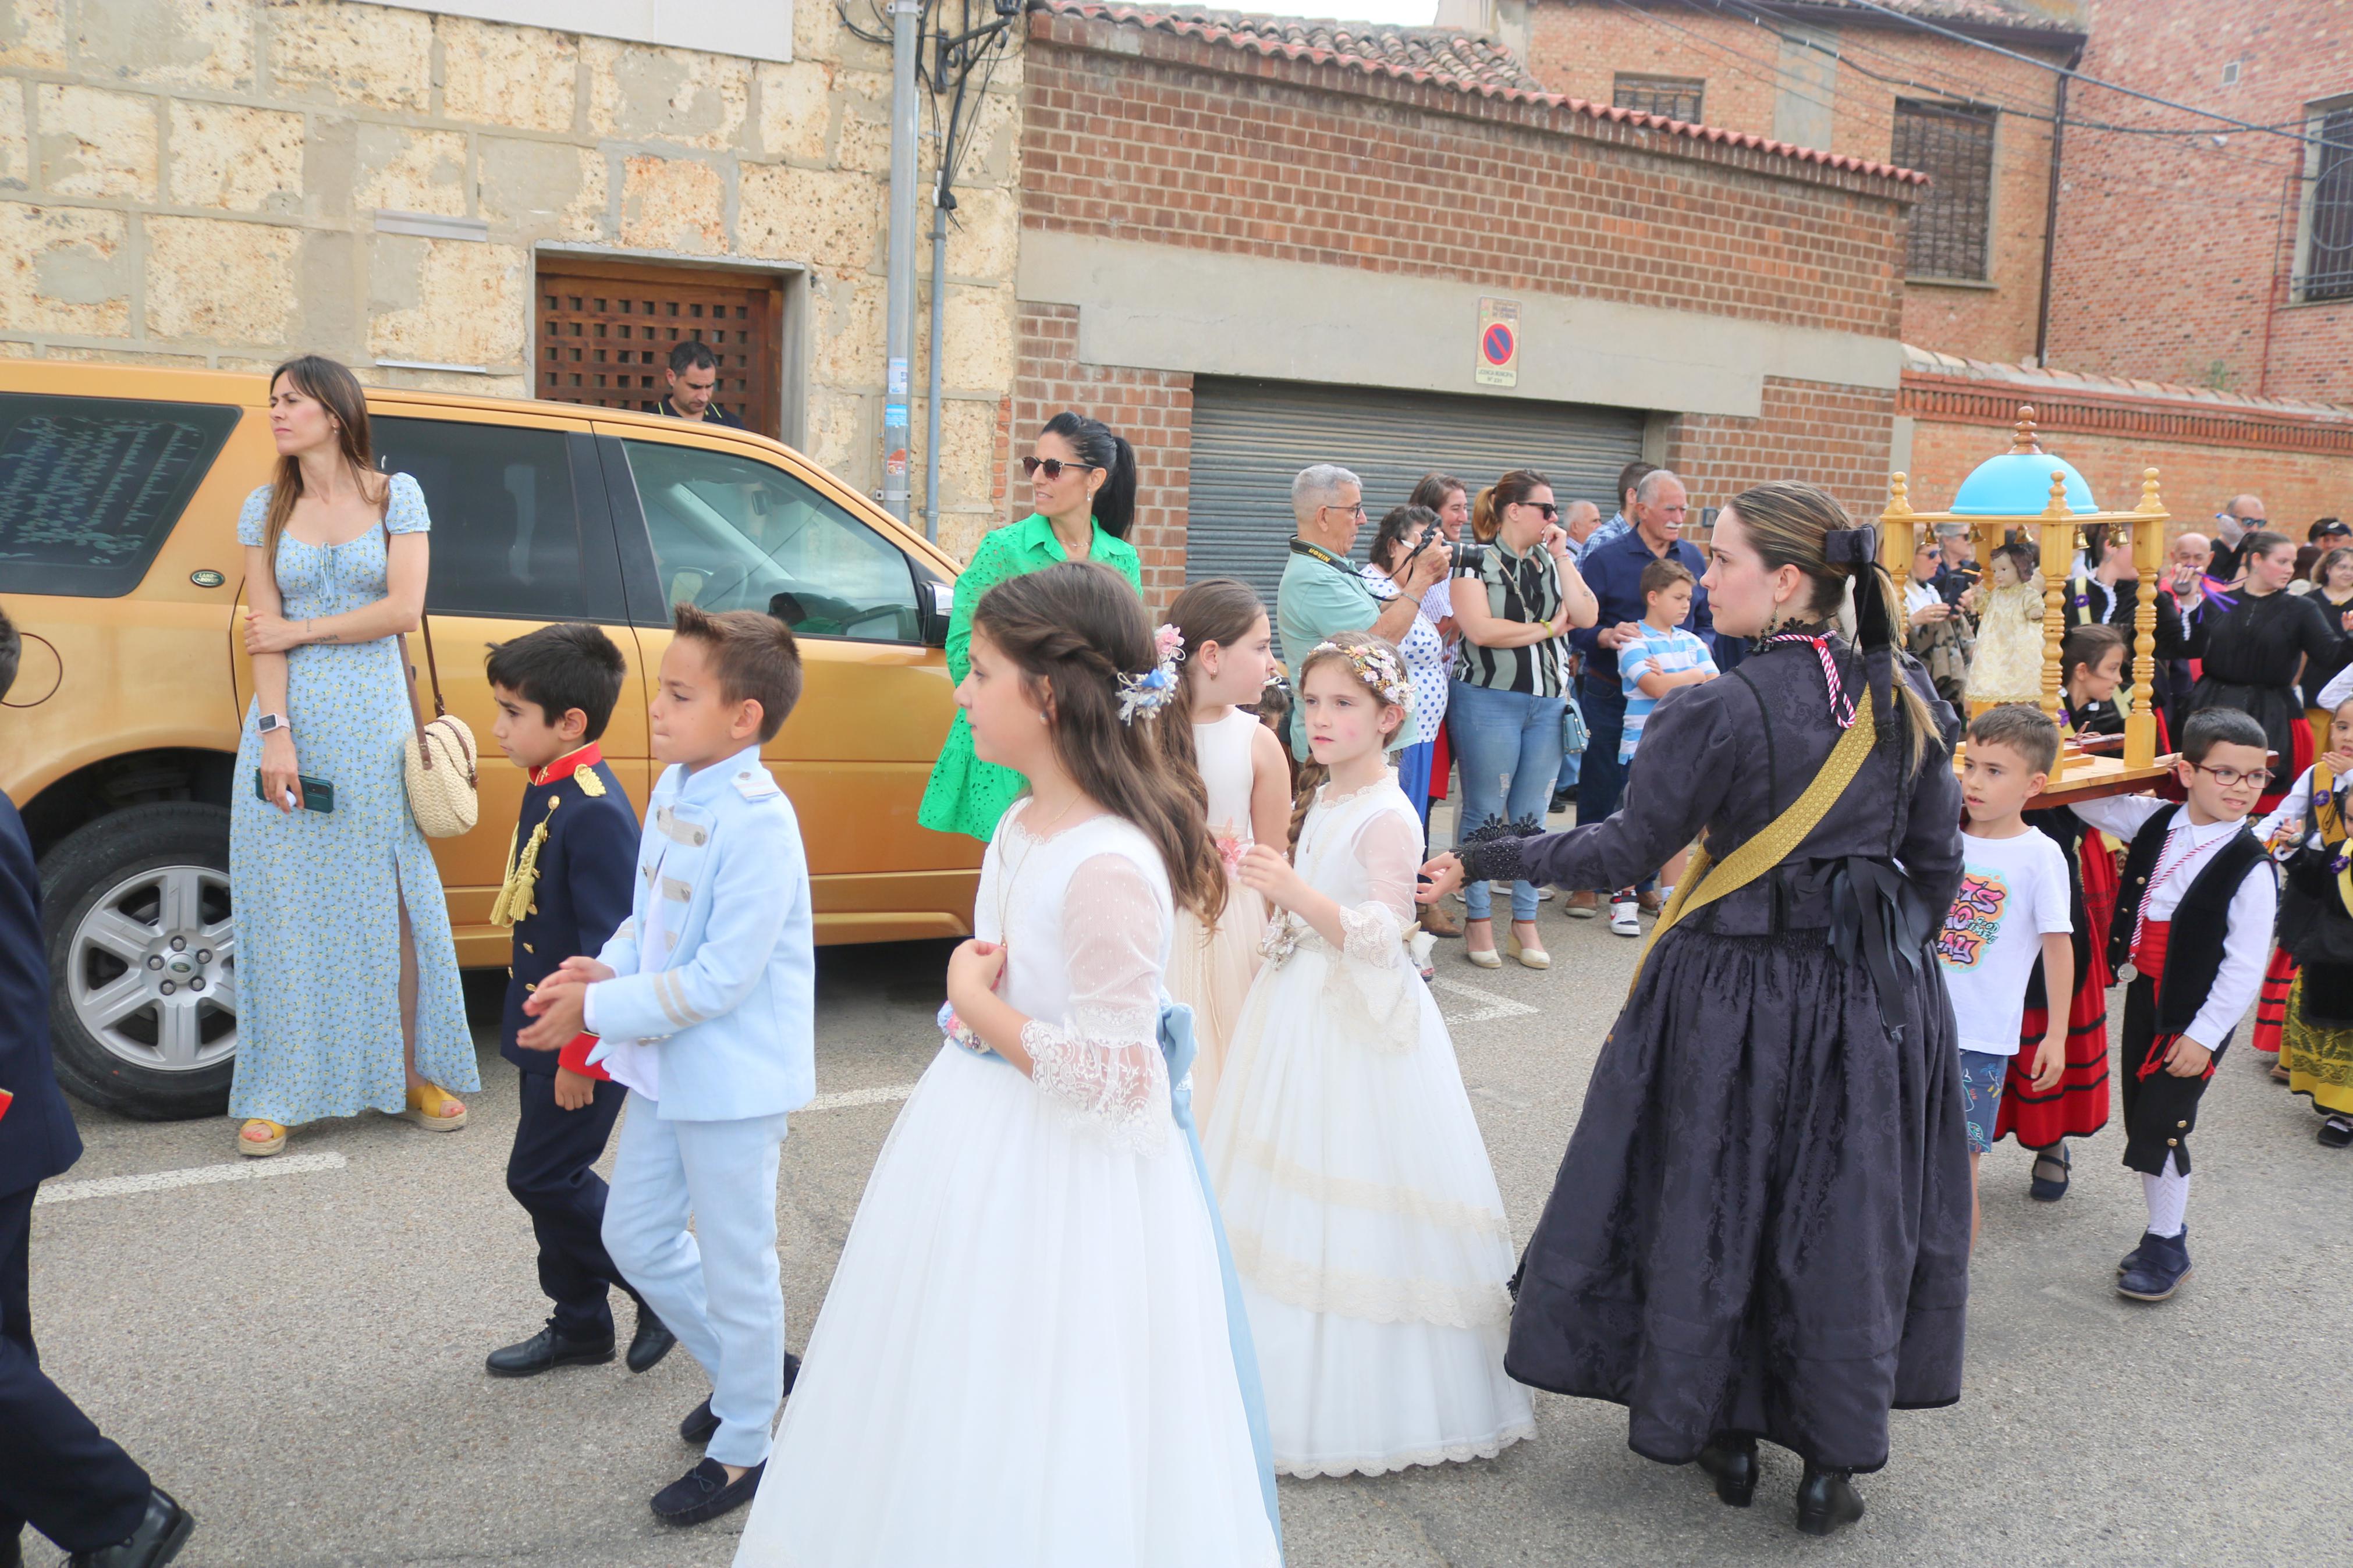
1705, 881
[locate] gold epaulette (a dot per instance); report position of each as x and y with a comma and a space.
515, 897
590, 784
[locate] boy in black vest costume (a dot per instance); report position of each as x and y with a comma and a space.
571, 871
2194, 919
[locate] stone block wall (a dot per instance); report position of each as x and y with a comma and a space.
1577, 47
196, 182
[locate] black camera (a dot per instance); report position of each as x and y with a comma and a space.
1462, 555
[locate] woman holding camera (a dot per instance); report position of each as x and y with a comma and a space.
1405, 533
1514, 604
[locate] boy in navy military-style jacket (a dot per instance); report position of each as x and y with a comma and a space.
57, 1471
569, 871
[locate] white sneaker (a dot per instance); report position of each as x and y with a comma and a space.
1625, 917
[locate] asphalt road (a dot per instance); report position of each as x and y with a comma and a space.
296, 1349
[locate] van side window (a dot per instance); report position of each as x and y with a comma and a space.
732, 533
90, 488
509, 537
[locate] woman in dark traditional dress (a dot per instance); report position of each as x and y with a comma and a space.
2252, 652
1761, 1227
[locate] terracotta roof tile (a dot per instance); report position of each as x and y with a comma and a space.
2028, 378
1958, 13
1440, 56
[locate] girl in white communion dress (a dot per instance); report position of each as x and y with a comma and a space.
1027, 1359
1366, 1223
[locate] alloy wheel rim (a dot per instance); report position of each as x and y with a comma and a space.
151, 970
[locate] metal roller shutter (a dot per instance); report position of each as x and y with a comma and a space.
1250, 438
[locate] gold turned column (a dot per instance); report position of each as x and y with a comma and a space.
2149, 558
1898, 532
2058, 546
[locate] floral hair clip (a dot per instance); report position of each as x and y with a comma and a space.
1377, 668
1157, 686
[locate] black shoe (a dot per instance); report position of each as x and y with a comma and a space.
1733, 1462
1826, 1499
2336, 1133
2044, 1189
2160, 1266
545, 1351
699, 1424
157, 1542
2131, 1260
705, 1492
653, 1341
1562, 799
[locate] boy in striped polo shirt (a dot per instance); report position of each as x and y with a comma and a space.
1664, 657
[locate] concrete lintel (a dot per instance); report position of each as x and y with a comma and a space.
1155, 307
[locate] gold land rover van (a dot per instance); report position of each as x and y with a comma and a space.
120, 487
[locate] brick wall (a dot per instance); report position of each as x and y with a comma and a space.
2300, 463
1835, 436
1189, 144
1193, 145
2200, 240
1577, 47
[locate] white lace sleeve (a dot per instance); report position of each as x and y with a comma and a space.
1102, 1056
1382, 984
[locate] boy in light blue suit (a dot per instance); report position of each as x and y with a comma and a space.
705, 1003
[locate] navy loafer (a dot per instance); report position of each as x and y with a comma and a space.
705, 1492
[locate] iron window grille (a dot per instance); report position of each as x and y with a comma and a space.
2328, 232
1953, 145
1676, 97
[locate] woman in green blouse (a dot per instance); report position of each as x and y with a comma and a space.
1082, 483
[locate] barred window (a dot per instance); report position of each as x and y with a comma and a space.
1953, 145
1676, 97
2328, 234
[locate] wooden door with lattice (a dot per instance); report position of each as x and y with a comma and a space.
605, 331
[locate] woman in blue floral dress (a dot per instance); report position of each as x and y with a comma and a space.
347, 979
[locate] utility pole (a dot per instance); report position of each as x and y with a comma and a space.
901, 300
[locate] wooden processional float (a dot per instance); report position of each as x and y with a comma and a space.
2027, 489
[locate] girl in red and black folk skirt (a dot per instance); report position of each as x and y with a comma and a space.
2093, 661
2295, 821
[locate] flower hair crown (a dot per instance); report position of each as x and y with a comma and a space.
1157, 687
1376, 666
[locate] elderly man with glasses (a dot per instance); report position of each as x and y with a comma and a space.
1322, 591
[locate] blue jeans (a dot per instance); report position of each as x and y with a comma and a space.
1507, 744
1604, 782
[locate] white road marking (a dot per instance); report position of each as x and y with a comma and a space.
886, 1094
1491, 1005
239, 1170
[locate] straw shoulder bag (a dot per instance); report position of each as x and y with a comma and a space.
439, 762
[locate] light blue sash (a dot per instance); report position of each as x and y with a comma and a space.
1176, 1048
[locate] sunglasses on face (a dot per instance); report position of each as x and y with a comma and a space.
1546, 508
1052, 468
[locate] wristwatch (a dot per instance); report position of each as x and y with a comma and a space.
270, 723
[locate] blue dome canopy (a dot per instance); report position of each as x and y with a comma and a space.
2017, 483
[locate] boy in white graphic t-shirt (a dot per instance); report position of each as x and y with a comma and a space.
2011, 909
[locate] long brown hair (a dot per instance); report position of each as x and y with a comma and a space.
1333, 650
1220, 610
327, 383
1513, 490
1787, 522
1074, 629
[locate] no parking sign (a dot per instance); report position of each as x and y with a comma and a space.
1499, 343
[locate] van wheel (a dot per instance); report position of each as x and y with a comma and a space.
143, 961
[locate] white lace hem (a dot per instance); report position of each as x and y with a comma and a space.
1446, 1214
1119, 1085
1367, 1297
1383, 1464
